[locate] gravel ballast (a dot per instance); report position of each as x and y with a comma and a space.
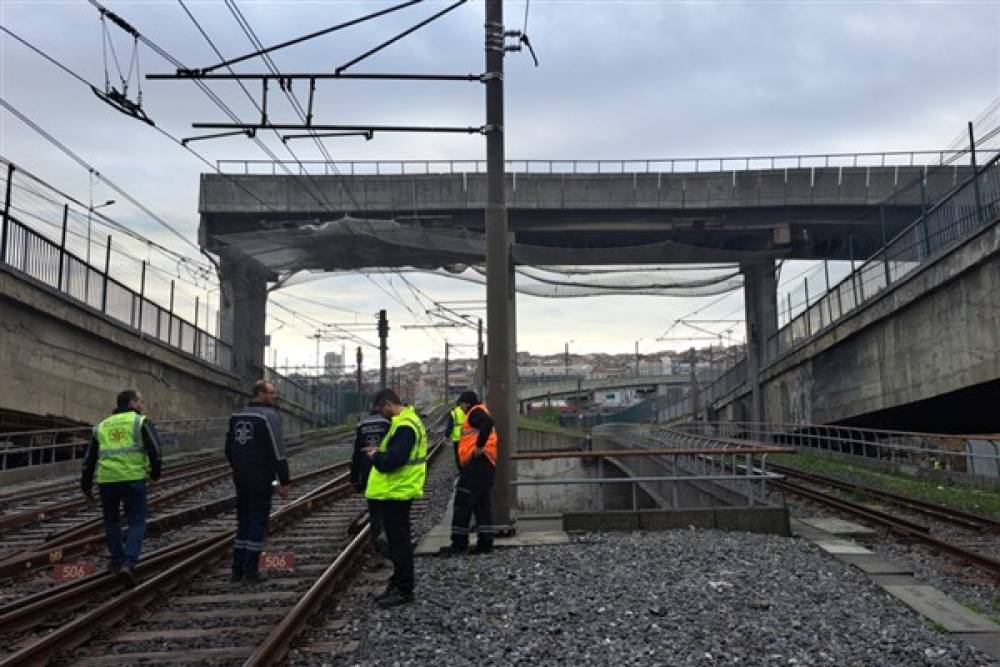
688, 597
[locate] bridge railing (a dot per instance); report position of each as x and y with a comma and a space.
681, 165
969, 207
27, 250
974, 455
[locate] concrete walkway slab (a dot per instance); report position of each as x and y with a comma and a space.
842, 547
840, 528
941, 609
531, 530
875, 564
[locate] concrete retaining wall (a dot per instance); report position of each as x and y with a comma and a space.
61, 358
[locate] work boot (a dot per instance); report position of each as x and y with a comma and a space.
389, 588
453, 550
395, 598
126, 575
483, 547
255, 577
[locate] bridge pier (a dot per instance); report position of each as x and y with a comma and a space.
760, 296
242, 313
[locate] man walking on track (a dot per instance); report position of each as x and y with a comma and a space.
255, 450
477, 460
124, 450
399, 468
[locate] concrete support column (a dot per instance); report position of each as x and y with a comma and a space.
760, 295
242, 313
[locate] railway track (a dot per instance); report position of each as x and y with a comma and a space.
29, 570
905, 528
198, 616
950, 515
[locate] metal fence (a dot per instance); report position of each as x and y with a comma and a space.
692, 165
674, 469
975, 455
26, 250
42, 447
969, 207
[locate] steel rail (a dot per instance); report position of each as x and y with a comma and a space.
940, 512
47, 554
899, 526
79, 630
186, 470
275, 645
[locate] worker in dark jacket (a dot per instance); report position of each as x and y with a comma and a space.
123, 451
369, 434
477, 460
255, 450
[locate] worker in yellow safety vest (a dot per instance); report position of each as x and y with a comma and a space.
399, 468
453, 427
124, 450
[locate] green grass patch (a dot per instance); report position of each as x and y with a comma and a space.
548, 427
949, 494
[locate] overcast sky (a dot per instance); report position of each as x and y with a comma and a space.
619, 79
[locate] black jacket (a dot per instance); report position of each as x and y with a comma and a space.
369, 433
254, 447
150, 441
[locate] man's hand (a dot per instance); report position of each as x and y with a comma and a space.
369, 451
478, 451
283, 490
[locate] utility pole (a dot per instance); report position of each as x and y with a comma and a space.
383, 346
446, 379
317, 336
500, 303
566, 359
480, 368
361, 402
637, 358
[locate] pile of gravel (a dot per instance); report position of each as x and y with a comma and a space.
669, 598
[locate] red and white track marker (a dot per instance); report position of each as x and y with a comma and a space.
67, 571
278, 560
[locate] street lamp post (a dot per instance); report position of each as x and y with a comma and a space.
86, 274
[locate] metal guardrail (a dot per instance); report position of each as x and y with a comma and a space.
42, 447
46, 261
600, 166
663, 458
968, 208
975, 455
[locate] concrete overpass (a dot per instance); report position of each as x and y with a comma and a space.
528, 391
263, 225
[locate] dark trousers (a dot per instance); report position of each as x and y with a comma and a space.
472, 496
375, 527
253, 506
396, 520
124, 549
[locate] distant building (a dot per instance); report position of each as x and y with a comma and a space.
333, 363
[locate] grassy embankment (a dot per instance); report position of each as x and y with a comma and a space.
947, 493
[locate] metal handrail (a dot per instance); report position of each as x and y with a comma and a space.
633, 165
928, 449
35, 255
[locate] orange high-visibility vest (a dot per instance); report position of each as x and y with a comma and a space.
470, 435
